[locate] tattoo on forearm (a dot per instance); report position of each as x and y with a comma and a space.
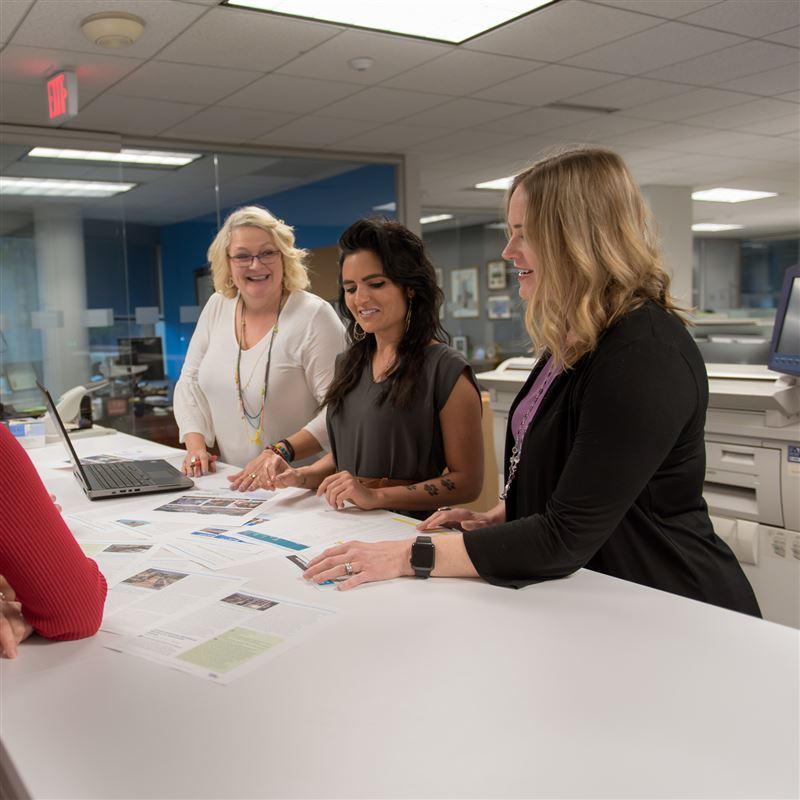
430, 489
448, 484
411, 487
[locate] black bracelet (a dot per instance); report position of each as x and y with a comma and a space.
289, 449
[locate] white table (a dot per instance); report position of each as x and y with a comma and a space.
583, 687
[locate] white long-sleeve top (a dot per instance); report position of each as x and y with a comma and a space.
309, 338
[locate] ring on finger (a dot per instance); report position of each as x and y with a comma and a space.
444, 508
348, 568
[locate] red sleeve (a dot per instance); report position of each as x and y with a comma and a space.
62, 592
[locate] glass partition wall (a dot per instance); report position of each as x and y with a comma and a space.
103, 269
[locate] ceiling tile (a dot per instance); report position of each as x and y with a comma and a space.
234, 37
23, 104
744, 114
462, 72
189, 83
779, 126
383, 105
392, 54
665, 135
688, 104
669, 9
733, 62
95, 72
315, 132
748, 18
465, 112
392, 138
602, 128
729, 143
289, 93
464, 142
132, 115
561, 30
652, 49
11, 14
235, 125
790, 36
56, 24
535, 121
790, 97
769, 82
629, 92
546, 85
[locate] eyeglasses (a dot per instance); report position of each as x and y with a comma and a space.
245, 259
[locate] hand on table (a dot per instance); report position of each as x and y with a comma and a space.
260, 473
362, 561
13, 625
342, 486
198, 462
461, 519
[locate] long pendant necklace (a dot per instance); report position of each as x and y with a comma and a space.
254, 421
516, 450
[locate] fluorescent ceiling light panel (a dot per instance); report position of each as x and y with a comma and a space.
386, 207
50, 187
723, 195
434, 218
713, 227
498, 184
445, 20
160, 158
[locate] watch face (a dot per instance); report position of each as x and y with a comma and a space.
422, 555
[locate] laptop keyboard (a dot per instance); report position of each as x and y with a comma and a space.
116, 476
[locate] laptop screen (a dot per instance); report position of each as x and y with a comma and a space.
62, 432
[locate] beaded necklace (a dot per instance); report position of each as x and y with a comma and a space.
516, 450
254, 421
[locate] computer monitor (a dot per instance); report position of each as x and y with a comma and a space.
784, 353
145, 351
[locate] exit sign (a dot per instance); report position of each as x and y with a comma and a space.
62, 96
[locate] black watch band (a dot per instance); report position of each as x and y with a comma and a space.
423, 556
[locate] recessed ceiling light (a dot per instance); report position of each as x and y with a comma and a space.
713, 227
160, 158
498, 184
434, 218
723, 195
50, 187
445, 20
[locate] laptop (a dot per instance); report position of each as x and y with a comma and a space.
120, 477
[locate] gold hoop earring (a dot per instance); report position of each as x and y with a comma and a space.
359, 334
229, 282
408, 317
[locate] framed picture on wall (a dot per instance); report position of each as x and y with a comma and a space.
496, 274
464, 292
499, 306
203, 285
461, 344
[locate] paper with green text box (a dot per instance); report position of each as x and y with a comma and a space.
228, 637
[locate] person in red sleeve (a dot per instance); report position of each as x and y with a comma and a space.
47, 585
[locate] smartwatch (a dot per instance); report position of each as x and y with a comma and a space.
423, 556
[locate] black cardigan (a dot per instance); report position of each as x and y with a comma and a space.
611, 474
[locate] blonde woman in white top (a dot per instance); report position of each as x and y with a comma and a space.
262, 354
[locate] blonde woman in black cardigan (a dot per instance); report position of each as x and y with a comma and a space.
605, 455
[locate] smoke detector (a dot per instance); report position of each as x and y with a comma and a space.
112, 29
361, 63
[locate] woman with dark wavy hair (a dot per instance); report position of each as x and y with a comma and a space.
404, 412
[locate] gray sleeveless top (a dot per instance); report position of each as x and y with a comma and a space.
381, 441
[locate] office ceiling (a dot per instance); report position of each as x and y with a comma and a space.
707, 92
